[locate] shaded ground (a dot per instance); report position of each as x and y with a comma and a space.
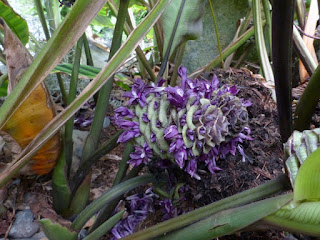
263, 162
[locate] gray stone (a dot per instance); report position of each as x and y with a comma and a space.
79, 138
24, 226
37, 236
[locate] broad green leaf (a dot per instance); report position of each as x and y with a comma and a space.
190, 24
61, 192
229, 221
28, 82
302, 218
55, 231
307, 184
200, 52
16, 23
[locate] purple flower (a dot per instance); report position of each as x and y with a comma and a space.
212, 166
182, 72
126, 124
140, 155
180, 157
171, 132
168, 209
175, 96
176, 145
123, 112
233, 90
140, 205
190, 134
137, 93
192, 169
128, 135
145, 118
246, 103
242, 153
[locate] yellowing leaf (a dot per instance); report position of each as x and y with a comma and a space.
34, 113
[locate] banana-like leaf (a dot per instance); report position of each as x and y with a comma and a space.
55, 231
16, 23
303, 218
32, 115
120, 56
307, 185
230, 221
190, 23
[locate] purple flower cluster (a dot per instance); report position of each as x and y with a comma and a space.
139, 206
190, 124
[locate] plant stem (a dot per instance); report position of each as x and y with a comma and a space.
180, 52
3, 78
301, 12
308, 102
123, 164
158, 33
139, 52
303, 52
87, 50
267, 14
42, 18
44, 25
68, 143
225, 53
217, 32
62, 88
279, 184
103, 200
174, 31
105, 91
282, 19
260, 43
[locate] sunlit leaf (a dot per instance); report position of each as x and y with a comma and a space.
16, 23
307, 185
302, 218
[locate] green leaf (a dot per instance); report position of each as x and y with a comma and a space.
90, 72
303, 218
190, 24
80, 198
307, 184
230, 221
3, 89
61, 192
105, 227
16, 23
107, 197
55, 231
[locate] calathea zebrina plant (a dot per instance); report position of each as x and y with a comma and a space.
190, 124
